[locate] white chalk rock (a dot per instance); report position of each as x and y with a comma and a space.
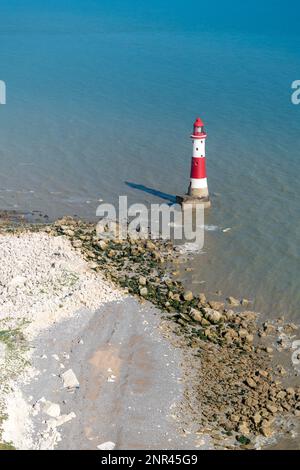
70, 379
2, 352
60, 420
17, 281
51, 409
106, 446
65, 418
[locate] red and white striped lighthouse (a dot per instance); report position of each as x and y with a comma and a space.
198, 179
198, 189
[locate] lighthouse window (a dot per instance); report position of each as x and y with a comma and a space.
197, 148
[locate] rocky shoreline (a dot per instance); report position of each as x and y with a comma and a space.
233, 390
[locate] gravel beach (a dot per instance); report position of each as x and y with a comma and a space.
102, 346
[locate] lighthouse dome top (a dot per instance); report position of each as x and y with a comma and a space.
198, 131
198, 122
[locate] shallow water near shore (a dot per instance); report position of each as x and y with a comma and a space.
95, 100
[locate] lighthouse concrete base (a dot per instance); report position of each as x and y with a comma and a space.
187, 201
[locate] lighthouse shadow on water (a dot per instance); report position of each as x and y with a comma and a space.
168, 197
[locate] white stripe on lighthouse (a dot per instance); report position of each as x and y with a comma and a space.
199, 148
199, 183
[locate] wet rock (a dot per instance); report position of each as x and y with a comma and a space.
244, 429
250, 382
266, 428
269, 350
112, 227
93, 265
216, 305
263, 373
290, 328
150, 245
230, 315
286, 406
230, 335
243, 333
235, 418
269, 329
196, 315
63, 227
264, 412
281, 395
142, 281
100, 228
188, 295
102, 244
249, 338
144, 291
204, 322
77, 243
176, 297
233, 301
281, 370
185, 316
69, 233
249, 315
271, 408
212, 315
257, 419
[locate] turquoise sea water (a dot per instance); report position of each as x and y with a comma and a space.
100, 93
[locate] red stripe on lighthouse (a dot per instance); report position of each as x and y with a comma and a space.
198, 168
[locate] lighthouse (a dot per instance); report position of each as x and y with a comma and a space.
198, 188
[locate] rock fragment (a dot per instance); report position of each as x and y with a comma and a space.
51, 409
69, 379
188, 295
109, 445
233, 301
144, 291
